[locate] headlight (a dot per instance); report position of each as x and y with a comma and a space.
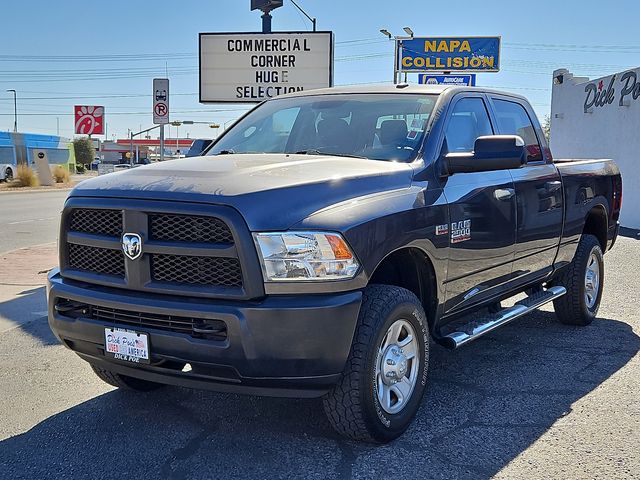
288, 256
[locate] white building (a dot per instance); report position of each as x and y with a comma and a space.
601, 119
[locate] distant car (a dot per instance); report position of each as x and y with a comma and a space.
7, 172
95, 163
122, 166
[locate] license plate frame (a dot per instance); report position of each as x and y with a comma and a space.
127, 345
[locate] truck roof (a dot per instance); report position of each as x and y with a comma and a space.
391, 88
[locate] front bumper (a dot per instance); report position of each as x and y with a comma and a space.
293, 346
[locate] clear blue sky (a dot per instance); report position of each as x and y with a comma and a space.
57, 54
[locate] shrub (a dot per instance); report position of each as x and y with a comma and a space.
84, 150
60, 174
26, 177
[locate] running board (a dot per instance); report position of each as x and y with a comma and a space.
485, 324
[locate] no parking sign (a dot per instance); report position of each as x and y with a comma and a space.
160, 101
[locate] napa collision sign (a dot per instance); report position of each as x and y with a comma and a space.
252, 67
449, 54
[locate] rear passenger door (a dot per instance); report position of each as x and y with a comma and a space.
539, 193
482, 224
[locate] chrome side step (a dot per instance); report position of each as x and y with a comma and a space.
485, 324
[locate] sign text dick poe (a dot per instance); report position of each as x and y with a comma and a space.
251, 67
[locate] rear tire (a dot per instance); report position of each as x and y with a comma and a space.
124, 381
386, 372
8, 175
584, 281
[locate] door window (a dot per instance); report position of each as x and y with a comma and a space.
469, 120
513, 119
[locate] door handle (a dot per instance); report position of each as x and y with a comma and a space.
504, 194
553, 186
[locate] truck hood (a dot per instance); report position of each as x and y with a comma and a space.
271, 191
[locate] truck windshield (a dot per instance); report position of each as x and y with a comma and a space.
377, 126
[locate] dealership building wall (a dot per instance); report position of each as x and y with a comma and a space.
600, 118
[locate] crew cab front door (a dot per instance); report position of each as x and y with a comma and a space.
482, 212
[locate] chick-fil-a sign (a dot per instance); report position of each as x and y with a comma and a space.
89, 119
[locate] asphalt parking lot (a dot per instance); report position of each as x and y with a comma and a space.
534, 399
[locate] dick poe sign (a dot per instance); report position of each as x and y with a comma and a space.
446, 54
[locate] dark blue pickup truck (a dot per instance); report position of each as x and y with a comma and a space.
323, 241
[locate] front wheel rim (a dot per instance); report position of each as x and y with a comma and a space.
592, 280
397, 366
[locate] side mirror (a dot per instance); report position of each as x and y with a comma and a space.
492, 152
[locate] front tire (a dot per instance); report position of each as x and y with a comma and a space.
386, 373
584, 281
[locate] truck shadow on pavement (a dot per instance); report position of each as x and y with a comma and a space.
28, 306
485, 404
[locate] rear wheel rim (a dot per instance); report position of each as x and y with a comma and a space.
397, 366
592, 280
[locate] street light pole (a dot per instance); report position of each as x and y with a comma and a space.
15, 109
311, 19
397, 71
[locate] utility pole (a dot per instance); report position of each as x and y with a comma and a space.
15, 109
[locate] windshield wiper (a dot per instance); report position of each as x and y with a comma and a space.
311, 151
314, 151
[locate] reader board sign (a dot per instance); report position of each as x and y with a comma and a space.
446, 54
160, 101
459, 80
252, 67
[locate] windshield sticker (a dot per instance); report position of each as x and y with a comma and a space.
412, 135
461, 231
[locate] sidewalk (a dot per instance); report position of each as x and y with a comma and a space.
28, 267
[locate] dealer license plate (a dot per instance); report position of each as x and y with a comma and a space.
126, 345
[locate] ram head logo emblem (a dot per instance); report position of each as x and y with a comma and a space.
132, 245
